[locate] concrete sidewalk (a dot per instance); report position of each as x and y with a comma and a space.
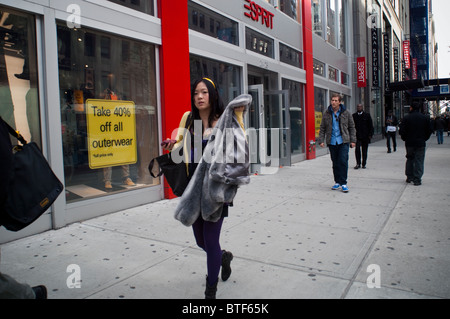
291, 236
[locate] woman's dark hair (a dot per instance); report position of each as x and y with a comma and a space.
217, 106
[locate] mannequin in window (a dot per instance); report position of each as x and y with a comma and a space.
107, 171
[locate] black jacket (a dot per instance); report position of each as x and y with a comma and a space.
415, 129
364, 126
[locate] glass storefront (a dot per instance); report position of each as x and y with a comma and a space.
19, 93
320, 105
108, 112
227, 76
296, 112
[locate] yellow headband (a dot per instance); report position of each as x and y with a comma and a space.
210, 81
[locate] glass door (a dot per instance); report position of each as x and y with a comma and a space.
269, 131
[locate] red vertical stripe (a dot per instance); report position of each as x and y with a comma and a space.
174, 67
309, 87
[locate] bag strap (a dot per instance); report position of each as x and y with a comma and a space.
14, 133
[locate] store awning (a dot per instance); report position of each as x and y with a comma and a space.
406, 85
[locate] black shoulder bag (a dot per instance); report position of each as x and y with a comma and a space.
176, 174
33, 187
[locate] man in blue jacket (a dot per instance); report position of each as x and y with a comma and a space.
415, 130
339, 129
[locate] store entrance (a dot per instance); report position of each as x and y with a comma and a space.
269, 131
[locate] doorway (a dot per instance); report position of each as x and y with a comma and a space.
268, 119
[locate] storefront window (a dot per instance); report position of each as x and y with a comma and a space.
145, 6
213, 24
18, 74
296, 114
320, 105
108, 112
227, 76
333, 74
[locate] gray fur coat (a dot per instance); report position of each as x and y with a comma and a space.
224, 167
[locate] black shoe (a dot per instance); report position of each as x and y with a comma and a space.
408, 180
227, 257
364, 166
210, 291
357, 166
389, 151
40, 292
417, 183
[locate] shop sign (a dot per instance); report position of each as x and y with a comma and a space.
111, 133
375, 60
361, 71
255, 12
387, 61
414, 69
406, 54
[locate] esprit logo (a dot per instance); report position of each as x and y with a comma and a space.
255, 11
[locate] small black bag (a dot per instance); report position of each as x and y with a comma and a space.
175, 173
32, 189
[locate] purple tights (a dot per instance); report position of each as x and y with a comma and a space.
207, 236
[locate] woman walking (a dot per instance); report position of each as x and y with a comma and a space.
206, 212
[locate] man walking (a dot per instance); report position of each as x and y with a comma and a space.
364, 133
339, 129
415, 130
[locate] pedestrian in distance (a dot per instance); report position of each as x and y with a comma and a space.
364, 133
391, 131
337, 130
415, 130
206, 109
439, 126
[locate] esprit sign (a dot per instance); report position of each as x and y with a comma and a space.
361, 71
255, 12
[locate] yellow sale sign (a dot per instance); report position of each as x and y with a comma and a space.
111, 131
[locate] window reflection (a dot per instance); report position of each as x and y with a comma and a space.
100, 66
18, 74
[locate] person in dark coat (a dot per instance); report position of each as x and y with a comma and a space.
391, 131
364, 133
415, 130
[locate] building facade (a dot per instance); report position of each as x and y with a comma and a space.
81, 76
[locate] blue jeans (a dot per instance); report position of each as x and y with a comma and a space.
339, 157
440, 135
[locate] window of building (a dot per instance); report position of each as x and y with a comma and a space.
331, 22
213, 24
333, 74
318, 67
146, 6
342, 27
226, 76
112, 80
345, 78
289, 7
256, 42
290, 56
317, 16
19, 94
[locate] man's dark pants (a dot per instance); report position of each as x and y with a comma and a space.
361, 149
339, 157
415, 157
